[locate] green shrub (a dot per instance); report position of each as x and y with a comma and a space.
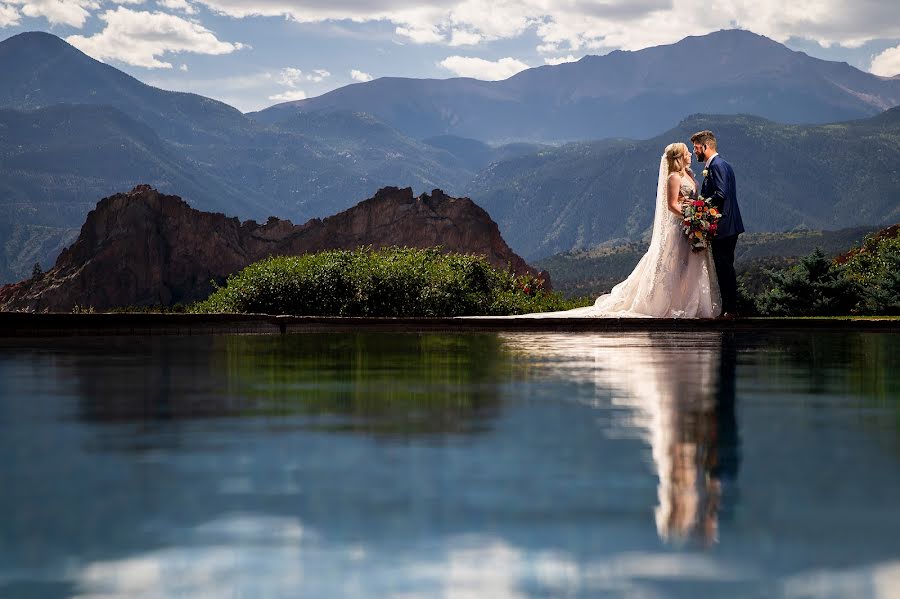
390, 282
875, 267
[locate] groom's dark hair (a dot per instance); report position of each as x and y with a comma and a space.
704, 138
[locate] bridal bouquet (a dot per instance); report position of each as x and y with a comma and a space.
700, 222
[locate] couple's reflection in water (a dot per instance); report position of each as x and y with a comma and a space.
677, 392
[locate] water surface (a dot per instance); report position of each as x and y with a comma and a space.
433, 465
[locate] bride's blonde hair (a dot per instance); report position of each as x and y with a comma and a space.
675, 157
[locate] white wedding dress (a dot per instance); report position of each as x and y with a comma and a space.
670, 281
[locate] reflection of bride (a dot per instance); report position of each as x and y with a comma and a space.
682, 402
671, 280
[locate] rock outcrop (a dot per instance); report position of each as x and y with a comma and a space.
144, 248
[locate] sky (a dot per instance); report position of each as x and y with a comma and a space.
256, 53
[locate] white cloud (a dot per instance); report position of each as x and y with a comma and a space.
139, 38
559, 59
289, 96
464, 38
360, 76
9, 16
573, 25
466, 66
183, 67
887, 64
318, 75
421, 35
182, 5
58, 12
291, 77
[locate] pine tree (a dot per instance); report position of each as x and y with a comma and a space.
37, 272
813, 287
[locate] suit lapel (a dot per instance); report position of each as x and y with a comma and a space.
707, 178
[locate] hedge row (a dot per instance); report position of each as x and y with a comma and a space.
395, 281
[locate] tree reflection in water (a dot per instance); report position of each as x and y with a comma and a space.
679, 394
400, 383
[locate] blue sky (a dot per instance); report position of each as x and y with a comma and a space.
255, 53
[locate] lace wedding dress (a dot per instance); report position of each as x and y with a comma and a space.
670, 281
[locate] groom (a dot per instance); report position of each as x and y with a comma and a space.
718, 186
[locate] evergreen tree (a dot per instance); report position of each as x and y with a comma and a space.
37, 272
813, 287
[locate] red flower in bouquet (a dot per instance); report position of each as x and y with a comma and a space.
700, 222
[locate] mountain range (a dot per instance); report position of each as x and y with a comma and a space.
73, 129
622, 94
788, 176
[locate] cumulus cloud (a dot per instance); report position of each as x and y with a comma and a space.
9, 16
421, 35
479, 68
289, 96
291, 77
464, 38
565, 26
138, 38
58, 12
887, 64
182, 5
360, 76
559, 59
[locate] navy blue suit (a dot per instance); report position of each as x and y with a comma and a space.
719, 187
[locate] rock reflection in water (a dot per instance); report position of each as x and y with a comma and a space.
679, 393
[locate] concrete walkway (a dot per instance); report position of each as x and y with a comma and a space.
14, 324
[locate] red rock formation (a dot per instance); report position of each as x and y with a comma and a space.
145, 248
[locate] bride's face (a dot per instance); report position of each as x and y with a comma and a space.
687, 158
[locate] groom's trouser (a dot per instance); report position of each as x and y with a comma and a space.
723, 256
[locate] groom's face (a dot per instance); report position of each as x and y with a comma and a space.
700, 152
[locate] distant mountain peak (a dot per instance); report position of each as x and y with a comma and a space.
34, 36
632, 94
40, 41
734, 34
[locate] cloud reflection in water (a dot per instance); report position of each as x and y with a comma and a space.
263, 556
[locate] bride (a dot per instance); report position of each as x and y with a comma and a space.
671, 280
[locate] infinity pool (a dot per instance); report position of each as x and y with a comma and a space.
451, 465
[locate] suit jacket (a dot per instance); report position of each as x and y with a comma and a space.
719, 187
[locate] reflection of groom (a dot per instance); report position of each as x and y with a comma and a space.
719, 187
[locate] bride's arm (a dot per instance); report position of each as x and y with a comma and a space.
673, 194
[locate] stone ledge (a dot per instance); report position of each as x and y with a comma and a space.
17, 324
